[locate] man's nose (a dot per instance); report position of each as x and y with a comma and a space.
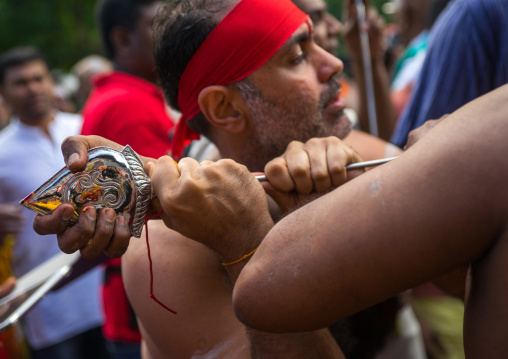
34, 86
329, 66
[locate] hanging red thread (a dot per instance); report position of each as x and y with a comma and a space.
152, 295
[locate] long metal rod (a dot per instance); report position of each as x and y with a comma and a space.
353, 166
367, 67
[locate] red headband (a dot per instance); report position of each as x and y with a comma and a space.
249, 35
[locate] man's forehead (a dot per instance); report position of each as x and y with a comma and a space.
31, 67
303, 32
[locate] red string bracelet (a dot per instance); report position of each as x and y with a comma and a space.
152, 295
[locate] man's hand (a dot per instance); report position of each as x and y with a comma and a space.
92, 234
415, 135
11, 219
374, 27
219, 204
317, 166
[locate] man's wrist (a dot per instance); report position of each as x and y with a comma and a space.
236, 258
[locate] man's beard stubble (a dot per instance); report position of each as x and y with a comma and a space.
277, 123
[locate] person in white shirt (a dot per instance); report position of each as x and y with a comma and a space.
66, 323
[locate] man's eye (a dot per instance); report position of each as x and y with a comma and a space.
299, 55
299, 59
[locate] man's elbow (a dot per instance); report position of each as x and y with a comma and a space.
243, 304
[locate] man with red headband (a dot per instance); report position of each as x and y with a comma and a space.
249, 76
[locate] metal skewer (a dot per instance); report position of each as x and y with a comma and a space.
367, 67
353, 166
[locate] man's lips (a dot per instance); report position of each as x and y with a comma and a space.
337, 103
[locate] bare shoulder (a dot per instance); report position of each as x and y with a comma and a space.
188, 278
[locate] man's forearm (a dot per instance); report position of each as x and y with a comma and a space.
306, 345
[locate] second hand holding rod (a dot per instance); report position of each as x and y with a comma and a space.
352, 166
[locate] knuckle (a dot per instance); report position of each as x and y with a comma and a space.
294, 145
320, 176
276, 167
299, 172
337, 171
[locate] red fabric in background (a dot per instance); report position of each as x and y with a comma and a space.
113, 111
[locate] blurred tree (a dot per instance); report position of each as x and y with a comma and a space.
64, 30
336, 7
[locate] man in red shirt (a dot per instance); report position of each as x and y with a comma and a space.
126, 106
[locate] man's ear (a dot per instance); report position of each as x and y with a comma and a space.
223, 107
120, 38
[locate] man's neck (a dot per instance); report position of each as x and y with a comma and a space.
152, 77
43, 121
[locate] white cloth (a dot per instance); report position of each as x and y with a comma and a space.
28, 157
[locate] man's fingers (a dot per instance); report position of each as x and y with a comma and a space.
284, 200
118, 244
164, 175
57, 222
111, 236
76, 237
319, 163
186, 166
103, 233
74, 149
298, 165
277, 173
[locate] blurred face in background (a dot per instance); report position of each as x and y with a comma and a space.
5, 113
28, 89
326, 27
412, 18
142, 43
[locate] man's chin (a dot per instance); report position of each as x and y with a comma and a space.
340, 126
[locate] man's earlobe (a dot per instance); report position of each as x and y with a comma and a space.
221, 107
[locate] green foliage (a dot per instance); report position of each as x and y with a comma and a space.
64, 30
336, 7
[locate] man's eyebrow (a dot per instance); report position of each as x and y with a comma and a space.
296, 39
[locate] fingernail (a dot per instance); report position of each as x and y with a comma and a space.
90, 212
72, 159
110, 214
67, 214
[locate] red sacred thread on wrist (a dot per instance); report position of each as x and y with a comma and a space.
152, 295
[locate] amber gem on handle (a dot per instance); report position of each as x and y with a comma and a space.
110, 179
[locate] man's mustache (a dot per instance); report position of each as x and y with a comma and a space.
329, 95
